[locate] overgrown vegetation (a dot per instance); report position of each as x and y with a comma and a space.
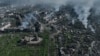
8, 46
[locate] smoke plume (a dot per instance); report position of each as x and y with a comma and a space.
82, 7
83, 11
28, 19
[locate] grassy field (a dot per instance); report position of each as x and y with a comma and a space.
8, 46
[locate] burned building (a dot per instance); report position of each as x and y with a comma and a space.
30, 40
37, 27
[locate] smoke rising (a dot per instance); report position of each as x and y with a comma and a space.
28, 19
83, 11
82, 7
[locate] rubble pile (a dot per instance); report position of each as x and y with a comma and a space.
68, 33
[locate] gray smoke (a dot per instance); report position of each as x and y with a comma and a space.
28, 20
83, 10
82, 7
